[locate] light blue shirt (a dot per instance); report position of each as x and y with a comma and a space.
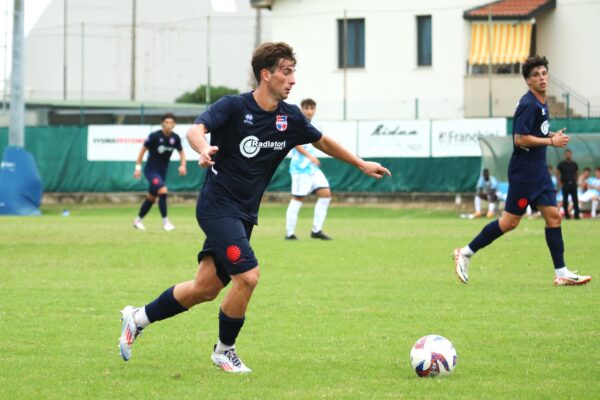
593, 181
489, 186
300, 164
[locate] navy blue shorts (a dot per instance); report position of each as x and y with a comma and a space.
521, 195
228, 242
156, 181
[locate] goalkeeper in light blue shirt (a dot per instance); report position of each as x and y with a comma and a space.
486, 190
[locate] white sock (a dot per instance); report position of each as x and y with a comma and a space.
477, 204
466, 251
491, 207
561, 272
222, 348
165, 220
320, 213
291, 216
594, 208
138, 219
140, 318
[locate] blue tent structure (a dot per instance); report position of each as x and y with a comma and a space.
20, 183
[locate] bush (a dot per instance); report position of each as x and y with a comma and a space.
199, 95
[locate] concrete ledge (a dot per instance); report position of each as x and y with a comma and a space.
412, 199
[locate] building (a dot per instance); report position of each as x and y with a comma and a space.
387, 59
82, 50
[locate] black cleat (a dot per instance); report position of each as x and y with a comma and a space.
319, 235
291, 237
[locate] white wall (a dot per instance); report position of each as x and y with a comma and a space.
570, 38
171, 49
390, 82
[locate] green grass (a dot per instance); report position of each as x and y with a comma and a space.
331, 320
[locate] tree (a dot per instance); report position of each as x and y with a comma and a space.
199, 95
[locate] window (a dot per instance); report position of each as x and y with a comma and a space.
355, 46
424, 40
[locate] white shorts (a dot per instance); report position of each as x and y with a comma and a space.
305, 184
588, 195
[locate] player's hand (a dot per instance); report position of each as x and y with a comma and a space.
374, 169
137, 174
206, 156
559, 139
315, 160
182, 170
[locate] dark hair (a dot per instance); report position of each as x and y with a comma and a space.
533, 62
308, 103
567, 150
587, 169
269, 55
597, 169
166, 116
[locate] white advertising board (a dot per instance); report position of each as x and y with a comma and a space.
123, 142
460, 137
401, 139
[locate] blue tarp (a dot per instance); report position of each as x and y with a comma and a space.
20, 183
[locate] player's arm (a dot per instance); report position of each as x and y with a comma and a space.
182, 163
138, 163
329, 146
306, 154
196, 137
555, 139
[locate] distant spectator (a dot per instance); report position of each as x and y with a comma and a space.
582, 182
567, 171
486, 190
592, 194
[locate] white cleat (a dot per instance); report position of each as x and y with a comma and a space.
167, 226
129, 331
229, 362
137, 224
461, 266
571, 279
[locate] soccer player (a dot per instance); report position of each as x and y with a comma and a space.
251, 134
568, 172
528, 177
486, 190
307, 178
160, 146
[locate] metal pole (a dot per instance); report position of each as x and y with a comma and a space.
81, 116
5, 77
568, 98
490, 97
207, 59
416, 108
64, 49
133, 45
16, 130
345, 62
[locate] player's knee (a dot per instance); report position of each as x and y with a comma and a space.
151, 197
250, 279
510, 224
163, 190
204, 293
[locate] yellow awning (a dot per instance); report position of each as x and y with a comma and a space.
511, 43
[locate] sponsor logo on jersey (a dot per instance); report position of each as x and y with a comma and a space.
248, 119
162, 149
281, 122
545, 127
251, 145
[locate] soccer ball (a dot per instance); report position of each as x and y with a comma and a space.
433, 355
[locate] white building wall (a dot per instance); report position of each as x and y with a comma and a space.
171, 49
391, 81
570, 37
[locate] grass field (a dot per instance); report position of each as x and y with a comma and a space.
331, 320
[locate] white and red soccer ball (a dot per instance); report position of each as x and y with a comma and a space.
433, 355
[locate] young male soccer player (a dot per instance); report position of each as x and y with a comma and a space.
528, 177
250, 136
160, 146
307, 178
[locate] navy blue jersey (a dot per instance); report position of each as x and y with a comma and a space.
252, 143
528, 165
160, 147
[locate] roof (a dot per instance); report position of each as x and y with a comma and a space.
510, 9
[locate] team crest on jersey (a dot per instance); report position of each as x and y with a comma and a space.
172, 140
281, 122
545, 127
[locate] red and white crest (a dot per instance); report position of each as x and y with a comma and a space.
281, 122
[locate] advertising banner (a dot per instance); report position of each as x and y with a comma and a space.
460, 137
399, 139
